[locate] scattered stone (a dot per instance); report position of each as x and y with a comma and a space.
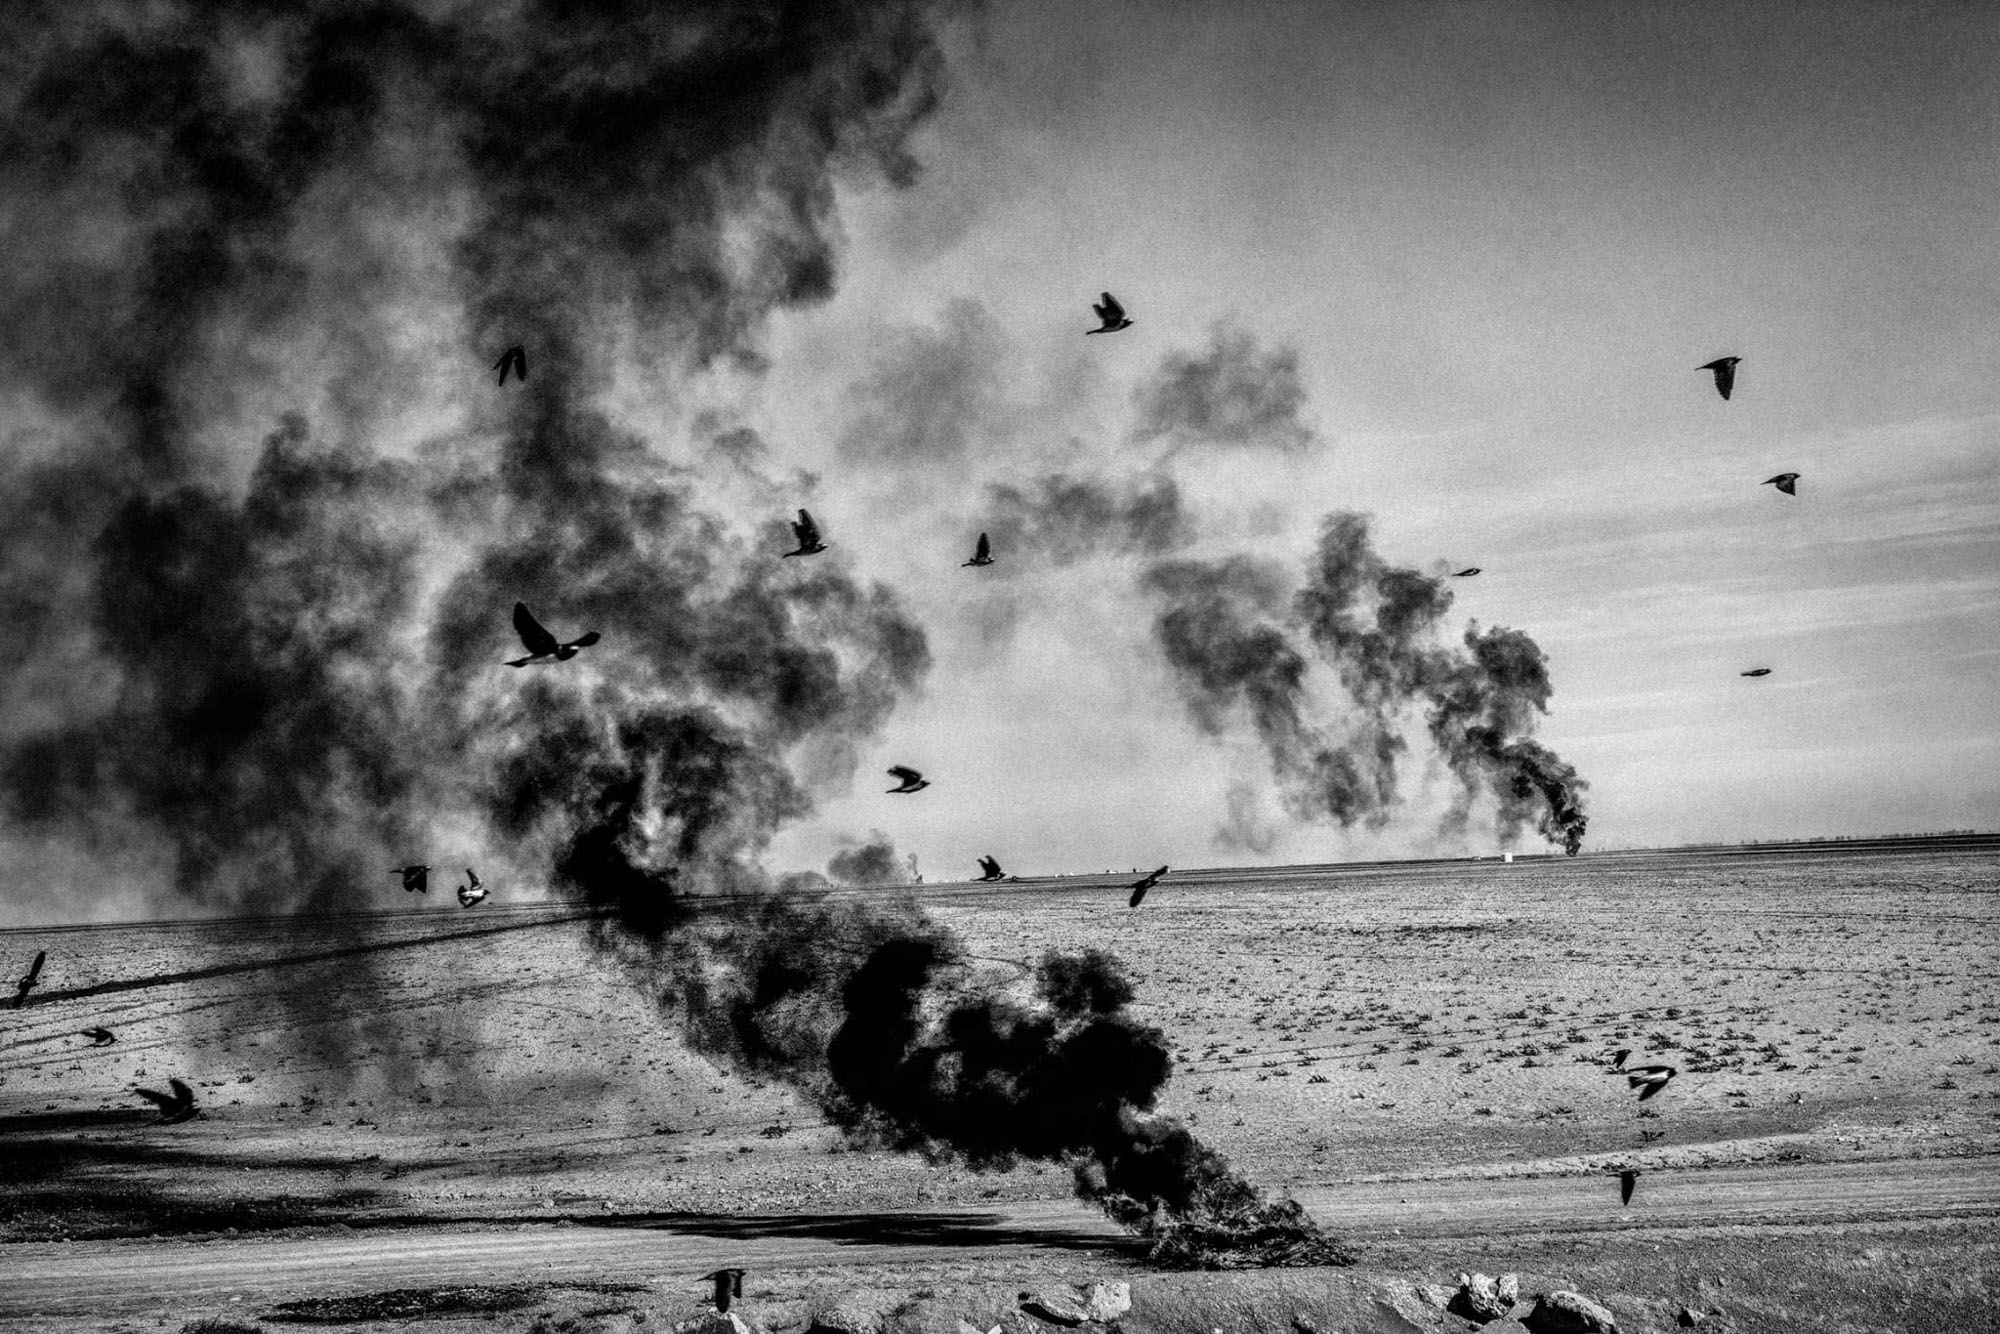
967, 1327
1054, 1307
1510, 1288
1105, 1302
1304, 1325
1688, 1318
1479, 1298
1569, 1313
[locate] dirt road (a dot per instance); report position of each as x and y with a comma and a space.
136, 1277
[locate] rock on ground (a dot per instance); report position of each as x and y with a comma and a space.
1055, 1307
1105, 1302
713, 1322
1569, 1313
1479, 1298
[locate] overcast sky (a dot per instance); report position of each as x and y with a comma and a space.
1500, 239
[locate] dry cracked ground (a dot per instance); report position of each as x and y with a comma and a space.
441, 1102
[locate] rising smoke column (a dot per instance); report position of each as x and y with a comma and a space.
291, 653
1238, 649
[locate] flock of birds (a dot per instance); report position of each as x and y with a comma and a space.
543, 647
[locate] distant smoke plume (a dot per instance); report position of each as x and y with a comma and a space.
1062, 518
1231, 393
282, 671
871, 863
1239, 647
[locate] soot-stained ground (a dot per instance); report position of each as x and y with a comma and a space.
1330, 1025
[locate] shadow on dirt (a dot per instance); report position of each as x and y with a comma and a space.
877, 1229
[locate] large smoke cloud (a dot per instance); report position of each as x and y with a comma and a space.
1232, 393
275, 668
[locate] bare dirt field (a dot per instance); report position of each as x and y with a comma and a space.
440, 1099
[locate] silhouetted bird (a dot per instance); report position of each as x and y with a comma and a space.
808, 534
1725, 373
514, 359
1618, 1057
1139, 890
991, 868
1756, 671
415, 878
100, 1037
174, 1107
983, 555
474, 892
1627, 1179
28, 979
1467, 572
1112, 314
728, 1283
911, 780
540, 643
1650, 1078
1788, 482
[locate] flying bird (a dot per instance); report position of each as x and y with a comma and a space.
808, 534
728, 1283
1788, 482
415, 878
1466, 573
991, 868
514, 359
983, 555
911, 780
1618, 1057
175, 1107
1139, 889
1627, 1179
540, 643
1112, 314
100, 1037
1756, 671
1725, 373
28, 979
472, 893
1650, 1078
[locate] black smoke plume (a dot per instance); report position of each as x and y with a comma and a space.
1239, 646
281, 672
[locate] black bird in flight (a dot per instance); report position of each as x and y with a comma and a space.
1725, 373
808, 534
1467, 572
416, 879
540, 643
28, 979
1618, 1057
1756, 671
175, 1107
983, 555
1627, 1179
1112, 314
991, 868
1139, 889
728, 1284
1788, 482
514, 359
911, 780
100, 1037
1650, 1078
473, 892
